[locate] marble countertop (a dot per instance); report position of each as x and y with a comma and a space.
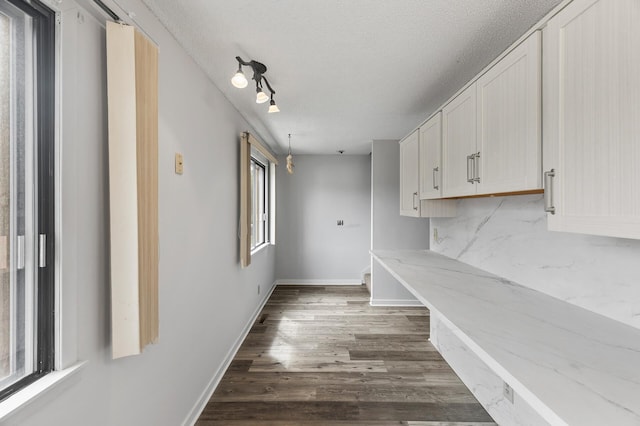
573, 366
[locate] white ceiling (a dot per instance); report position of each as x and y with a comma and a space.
346, 72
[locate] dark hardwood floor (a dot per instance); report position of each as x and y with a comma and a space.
322, 356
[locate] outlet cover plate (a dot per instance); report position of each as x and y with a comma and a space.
507, 391
179, 164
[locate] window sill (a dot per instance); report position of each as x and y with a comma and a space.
260, 248
24, 397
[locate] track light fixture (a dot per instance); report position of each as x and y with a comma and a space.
240, 81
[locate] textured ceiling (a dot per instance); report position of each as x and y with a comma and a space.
346, 71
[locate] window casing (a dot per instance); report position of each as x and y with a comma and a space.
251, 149
27, 80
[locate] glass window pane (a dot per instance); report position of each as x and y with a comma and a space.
16, 195
260, 206
253, 214
258, 203
5, 216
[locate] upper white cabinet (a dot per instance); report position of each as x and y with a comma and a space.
431, 158
409, 175
592, 118
459, 145
509, 153
492, 130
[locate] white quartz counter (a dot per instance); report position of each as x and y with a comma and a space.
573, 366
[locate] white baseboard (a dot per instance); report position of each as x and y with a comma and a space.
319, 282
395, 302
193, 415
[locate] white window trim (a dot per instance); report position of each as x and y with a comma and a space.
66, 363
259, 248
66, 229
272, 204
21, 399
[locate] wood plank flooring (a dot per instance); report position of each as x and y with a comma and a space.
322, 356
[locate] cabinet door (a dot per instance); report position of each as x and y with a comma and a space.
592, 118
509, 127
458, 143
409, 197
431, 158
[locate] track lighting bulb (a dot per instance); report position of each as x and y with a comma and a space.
273, 107
261, 97
239, 80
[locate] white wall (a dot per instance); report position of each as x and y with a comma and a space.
206, 299
508, 236
310, 246
389, 230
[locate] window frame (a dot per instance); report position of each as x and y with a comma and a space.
247, 144
44, 107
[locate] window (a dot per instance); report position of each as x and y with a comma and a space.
27, 37
259, 201
257, 197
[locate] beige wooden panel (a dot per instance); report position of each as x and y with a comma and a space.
132, 89
147, 151
245, 200
123, 196
260, 147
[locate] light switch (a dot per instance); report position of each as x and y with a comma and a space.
179, 164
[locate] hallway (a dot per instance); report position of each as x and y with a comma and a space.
323, 356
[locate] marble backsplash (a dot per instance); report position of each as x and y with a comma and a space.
508, 236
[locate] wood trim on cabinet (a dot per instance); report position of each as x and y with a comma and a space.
500, 194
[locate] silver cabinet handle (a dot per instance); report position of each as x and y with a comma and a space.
476, 167
415, 207
548, 191
469, 168
435, 175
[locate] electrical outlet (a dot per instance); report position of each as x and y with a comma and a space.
507, 391
435, 235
